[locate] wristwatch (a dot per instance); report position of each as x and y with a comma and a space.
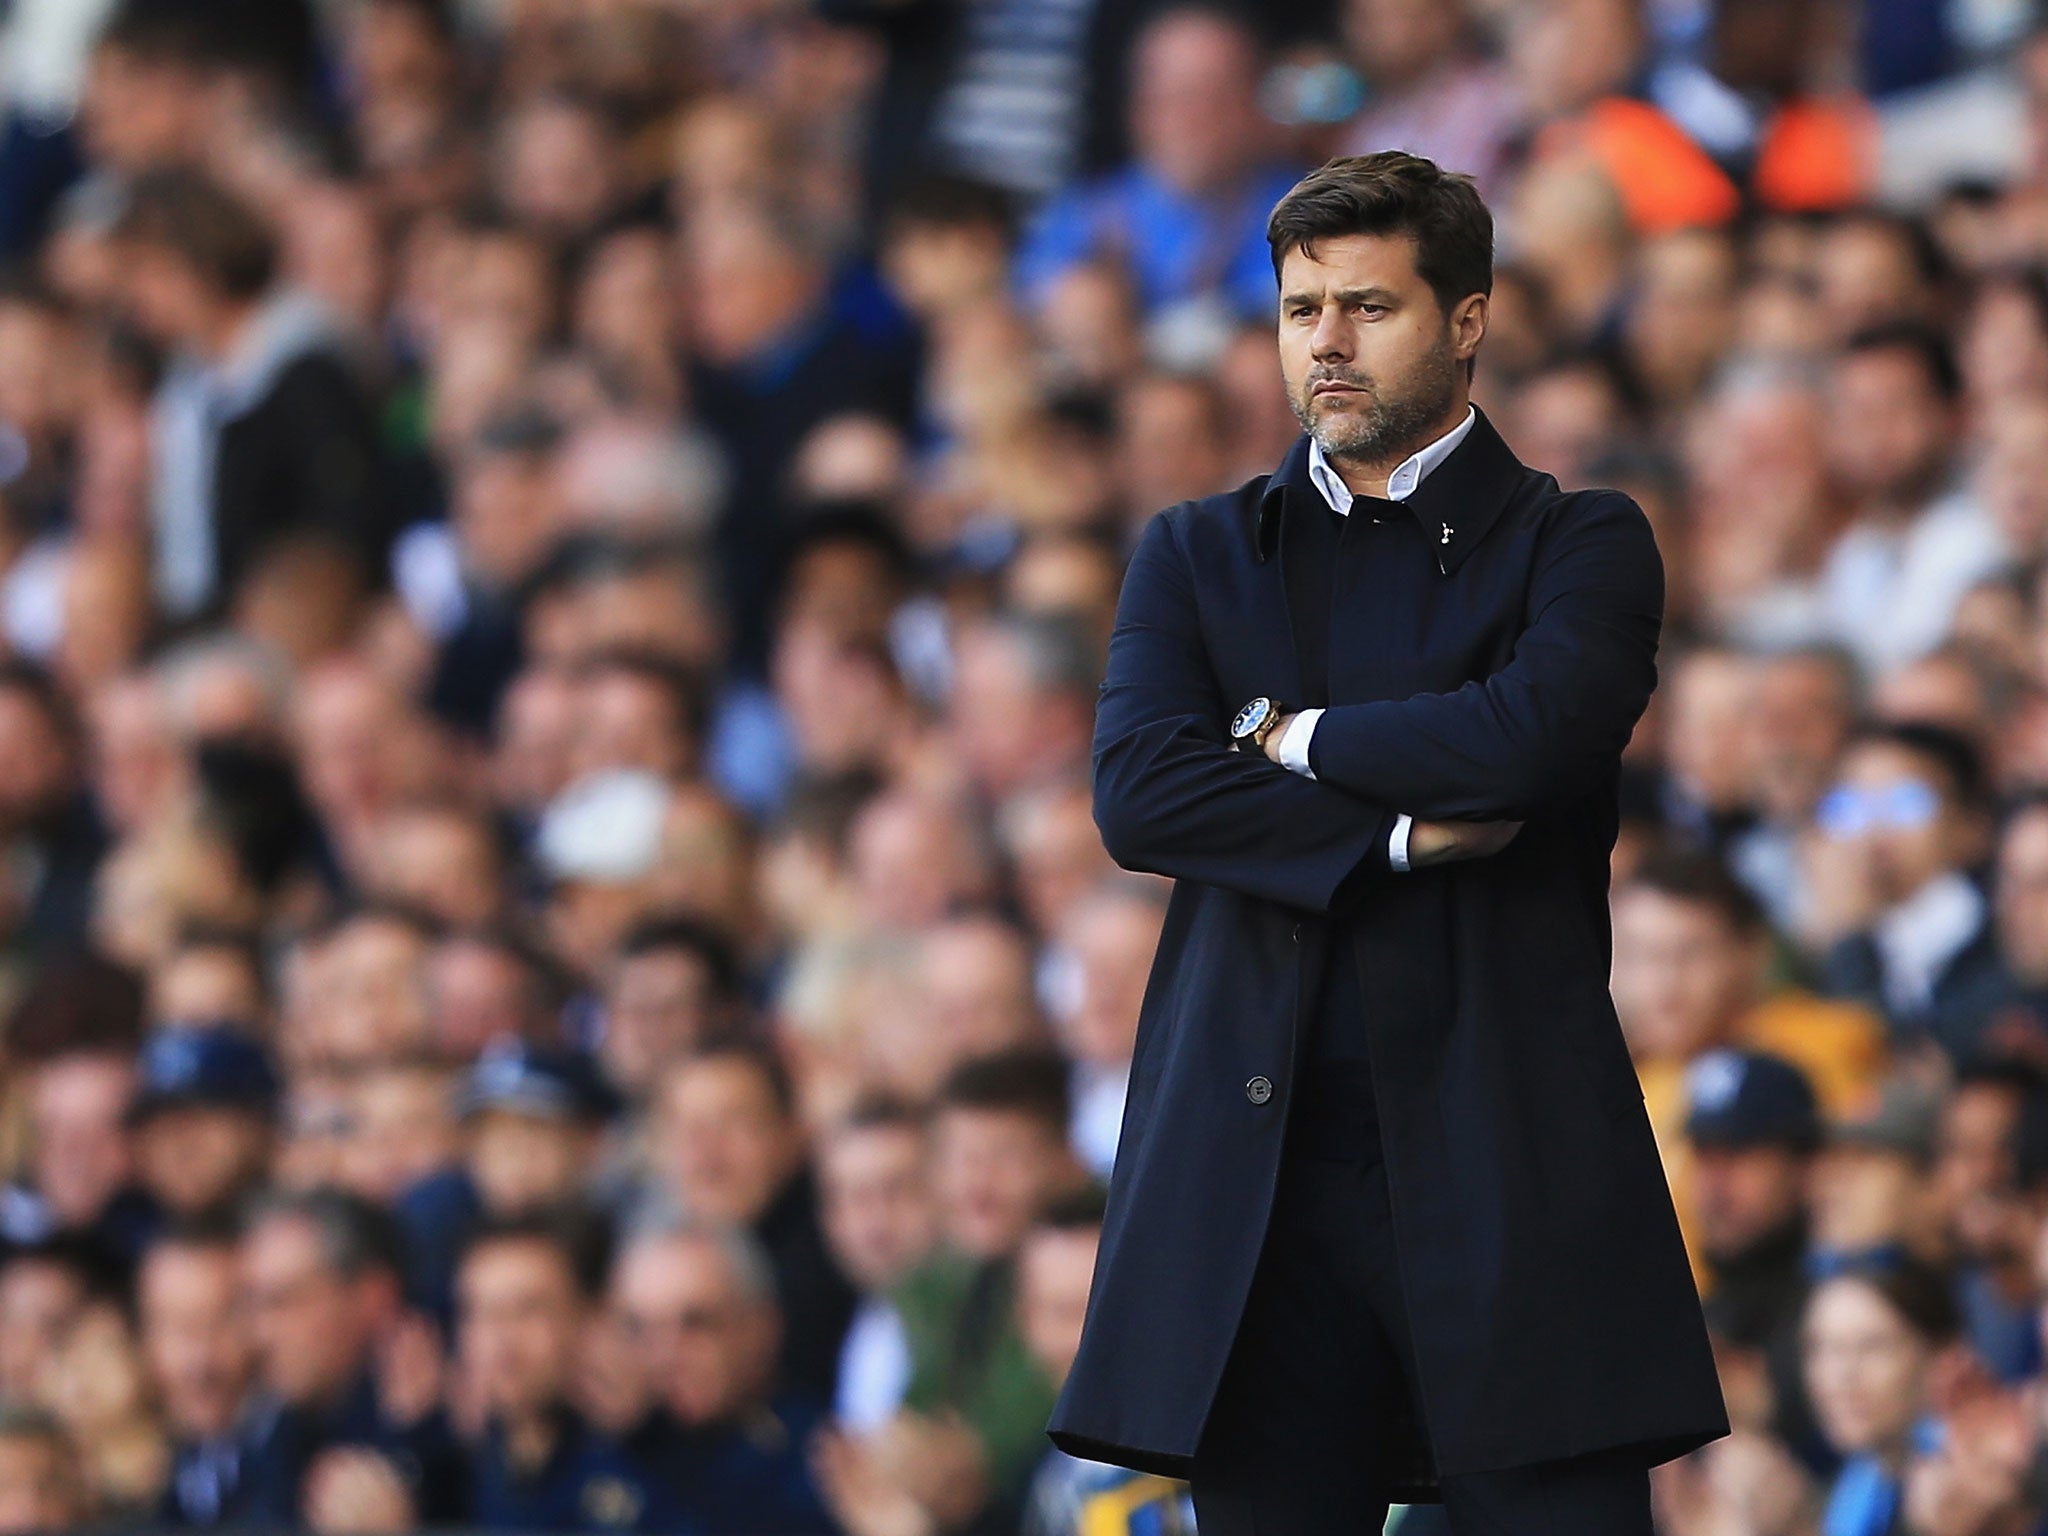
1254, 723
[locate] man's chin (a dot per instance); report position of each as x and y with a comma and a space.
1343, 438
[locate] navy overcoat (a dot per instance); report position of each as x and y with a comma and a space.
1552, 1306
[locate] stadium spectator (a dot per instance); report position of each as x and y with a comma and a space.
531, 1118
1753, 1129
728, 1146
1916, 541
1000, 1152
1895, 877
1188, 213
345, 1379
1431, 92
698, 1299
263, 438
1869, 1341
536, 1464
1873, 1189
188, 1293
1694, 975
203, 1115
72, 1042
673, 985
875, 1178
1107, 941
48, 822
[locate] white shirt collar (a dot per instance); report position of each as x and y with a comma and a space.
1919, 937
1401, 483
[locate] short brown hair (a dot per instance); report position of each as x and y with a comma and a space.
1029, 1080
1698, 878
761, 1055
206, 226
1393, 193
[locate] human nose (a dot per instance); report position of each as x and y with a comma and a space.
1330, 340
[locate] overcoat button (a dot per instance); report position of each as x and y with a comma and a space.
1259, 1089
1297, 933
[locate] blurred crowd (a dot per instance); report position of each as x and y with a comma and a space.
555, 557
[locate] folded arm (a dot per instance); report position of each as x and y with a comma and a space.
1543, 728
1173, 798
1292, 754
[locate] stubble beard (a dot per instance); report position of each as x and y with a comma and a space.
1378, 428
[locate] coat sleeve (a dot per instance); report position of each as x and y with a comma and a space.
1171, 795
1549, 722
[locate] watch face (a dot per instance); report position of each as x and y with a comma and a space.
1250, 718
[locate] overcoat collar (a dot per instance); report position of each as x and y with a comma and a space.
1455, 504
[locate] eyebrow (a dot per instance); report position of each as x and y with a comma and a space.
1343, 296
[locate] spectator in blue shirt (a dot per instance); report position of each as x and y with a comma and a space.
1188, 215
1869, 1339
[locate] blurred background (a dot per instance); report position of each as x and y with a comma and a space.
555, 556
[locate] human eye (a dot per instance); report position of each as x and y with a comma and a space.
1913, 803
1841, 812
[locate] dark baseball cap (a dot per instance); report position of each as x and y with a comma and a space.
536, 1080
1737, 1098
202, 1065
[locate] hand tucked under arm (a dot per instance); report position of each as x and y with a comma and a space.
1412, 844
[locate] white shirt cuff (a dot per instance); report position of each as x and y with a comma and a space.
1294, 742
1294, 757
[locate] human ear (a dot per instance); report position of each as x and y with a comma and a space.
1468, 324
